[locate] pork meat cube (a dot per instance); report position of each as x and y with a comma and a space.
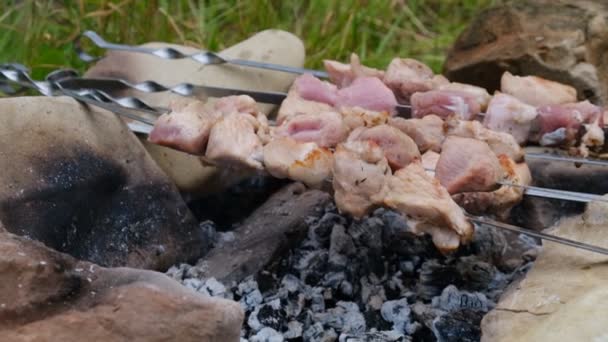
536, 91
294, 105
326, 129
406, 76
481, 95
416, 194
304, 162
186, 127
467, 165
498, 202
428, 132
507, 114
234, 142
313, 89
560, 124
399, 149
355, 117
368, 93
445, 103
344, 74
235, 104
499, 142
359, 171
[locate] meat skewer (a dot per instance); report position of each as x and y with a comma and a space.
480, 220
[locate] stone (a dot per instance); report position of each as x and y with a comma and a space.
46, 295
187, 171
271, 230
76, 179
563, 296
560, 40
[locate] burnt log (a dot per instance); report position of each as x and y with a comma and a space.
561, 40
272, 229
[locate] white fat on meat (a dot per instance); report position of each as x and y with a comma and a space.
186, 127
445, 103
414, 193
481, 95
428, 132
234, 142
507, 114
326, 129
406, 76
360, 171
399, 149
467, 165
368, 93
343, 74
498, 202
499, 142
429, 162
304, 162
536, 91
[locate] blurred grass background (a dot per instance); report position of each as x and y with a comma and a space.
39, 33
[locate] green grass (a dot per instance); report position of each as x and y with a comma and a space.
39, 33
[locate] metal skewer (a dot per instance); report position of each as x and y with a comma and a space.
202, 57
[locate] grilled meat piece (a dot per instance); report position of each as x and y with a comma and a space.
344, 74
360, 171
560, 124
368, 93
507, 114
429, 161
304, 162
294, 105
234, 142
499, 142
419, 196
406, 76
445, 103
326, 129
399, 149
186, 127
536, 91
481, 95
428, 132
501, 201
359, 117
467, 165
313, 89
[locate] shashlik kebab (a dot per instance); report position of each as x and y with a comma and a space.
426, 210
531, 108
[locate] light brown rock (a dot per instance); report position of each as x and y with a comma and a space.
560, 40
80, 182
270, 46
564, 296
50, 296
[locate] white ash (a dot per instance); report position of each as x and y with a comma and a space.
370, 280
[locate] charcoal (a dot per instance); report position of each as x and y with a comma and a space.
398, 313
250, 294
345, 317
458, 326
267, 335
367, 233
377, 336
316, 333
452, 299
341, 247
372, 280
294, 330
